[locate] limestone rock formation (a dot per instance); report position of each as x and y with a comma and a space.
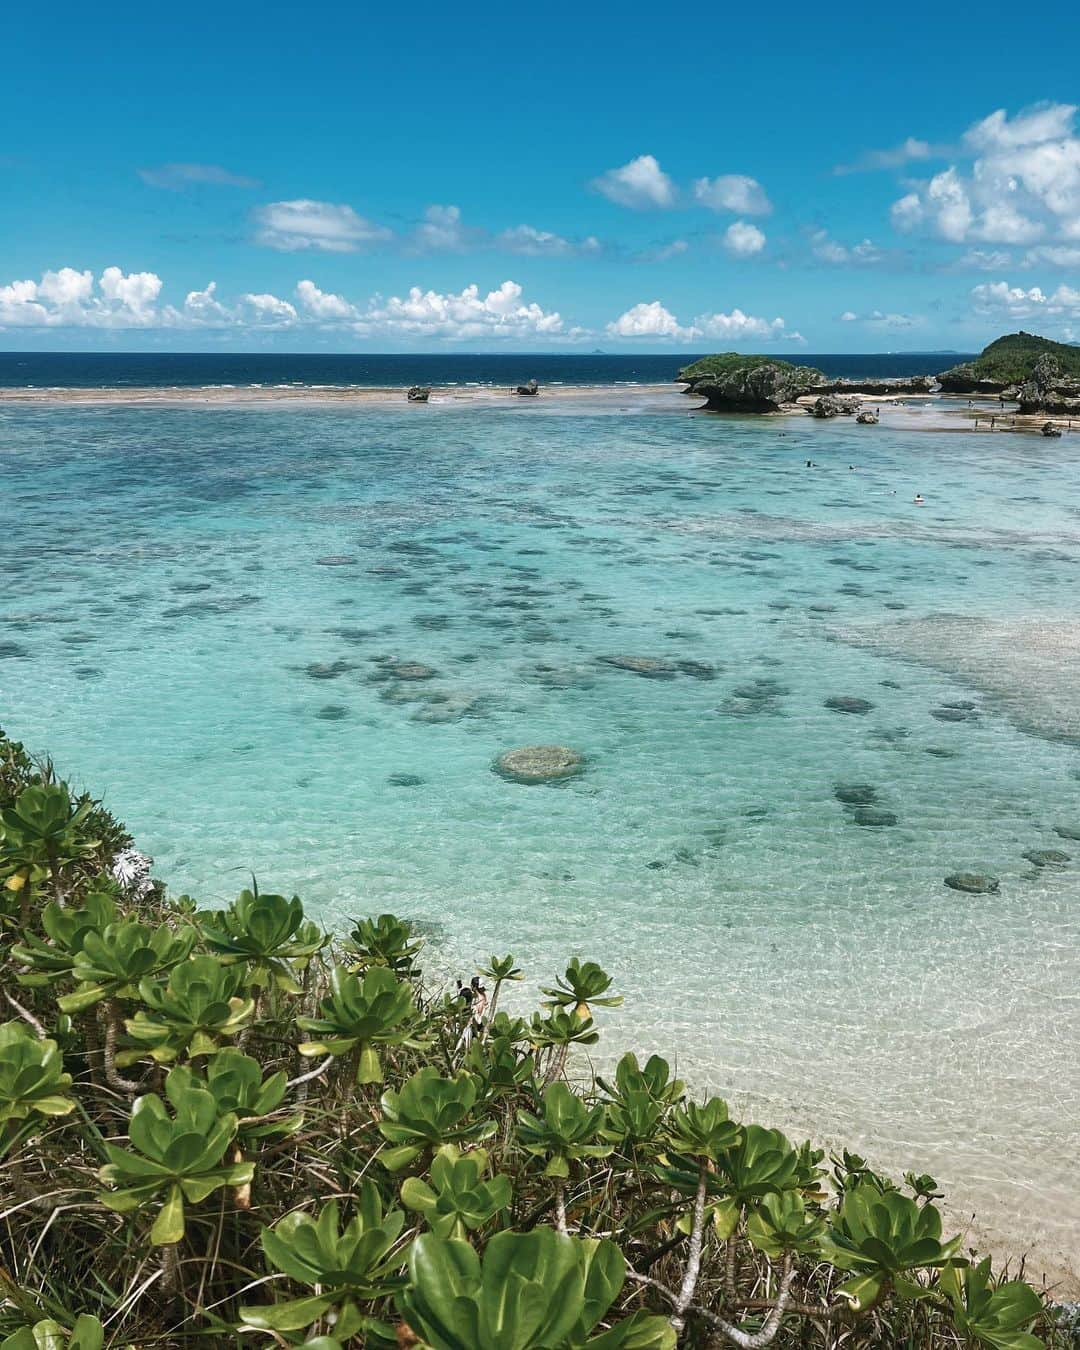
834, 405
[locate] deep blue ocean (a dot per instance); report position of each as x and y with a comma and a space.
97, 370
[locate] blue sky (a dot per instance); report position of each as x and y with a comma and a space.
333, 177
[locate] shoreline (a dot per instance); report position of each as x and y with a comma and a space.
915, 411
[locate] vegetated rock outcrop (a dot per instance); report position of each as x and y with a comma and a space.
733, 383
1008, 361
1049, 390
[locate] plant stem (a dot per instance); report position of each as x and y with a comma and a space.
693, 1259
560, 1206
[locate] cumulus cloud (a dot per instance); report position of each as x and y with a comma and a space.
323, 304
998, 297
640, 184
501, 314
69, 298
269, 311
732, 192
321, 226
743, 240
204, 309
1022, 183
907, 152
650, 319
175, 177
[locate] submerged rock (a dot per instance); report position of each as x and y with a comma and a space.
697, 670
867, 418
328, 670
651, 667
1046, 857
846, 703
869, 816
405, 780
337, 560
953, 714
855, 794
1067, 831
974, 883
539, 764
332, 712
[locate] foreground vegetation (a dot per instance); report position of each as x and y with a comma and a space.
1011, 360
225, 1127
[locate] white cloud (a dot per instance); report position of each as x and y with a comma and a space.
675, 248
177, 176
268, 311
828, 250
134, 294
302, 224
743, 240
1023, 183
202, 308
877, 318
442, 231
984, 260
1050, 255
650, 319
733, 192
1043, 122
640, 184
998, 297
500, 314
533, 243
323, 304
906, 152
68, 298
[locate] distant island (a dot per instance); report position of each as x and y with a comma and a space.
1040, 375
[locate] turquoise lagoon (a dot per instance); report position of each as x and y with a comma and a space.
172, 632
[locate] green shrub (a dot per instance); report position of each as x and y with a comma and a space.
246, 1181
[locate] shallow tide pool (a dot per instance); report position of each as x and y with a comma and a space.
206, 612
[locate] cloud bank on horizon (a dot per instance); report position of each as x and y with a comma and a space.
1001, 199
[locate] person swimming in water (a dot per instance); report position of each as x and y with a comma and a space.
920, 500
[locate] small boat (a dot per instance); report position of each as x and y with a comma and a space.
529, 390
418, 394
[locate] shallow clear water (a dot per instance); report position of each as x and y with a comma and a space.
167, 632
